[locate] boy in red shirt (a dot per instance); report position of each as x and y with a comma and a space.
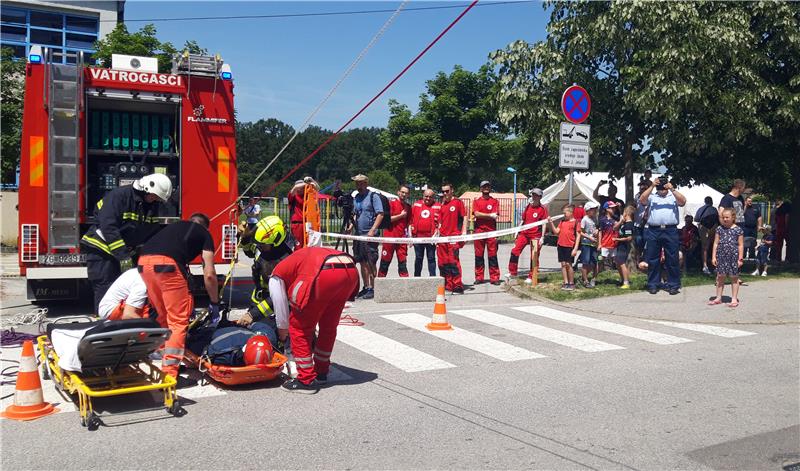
534, 212
400, 213
485, 210
424, 223
451, 215
568, 241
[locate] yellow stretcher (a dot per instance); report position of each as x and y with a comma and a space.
115, 361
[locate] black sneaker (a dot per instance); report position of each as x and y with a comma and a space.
674, 291
652, 290
497, 282
369, 294
458, 290
361, 293
295, 385
322, 379
480, 282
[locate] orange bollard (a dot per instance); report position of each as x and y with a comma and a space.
28, 398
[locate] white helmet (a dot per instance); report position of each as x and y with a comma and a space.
157, 184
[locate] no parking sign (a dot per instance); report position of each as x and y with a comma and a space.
576, 104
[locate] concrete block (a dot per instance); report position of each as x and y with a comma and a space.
411, 289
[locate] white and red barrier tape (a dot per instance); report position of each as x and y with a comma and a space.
434, 240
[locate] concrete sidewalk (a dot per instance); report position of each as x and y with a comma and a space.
761, 302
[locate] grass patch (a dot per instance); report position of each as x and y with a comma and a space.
607, 282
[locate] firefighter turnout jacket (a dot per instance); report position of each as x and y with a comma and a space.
123, 220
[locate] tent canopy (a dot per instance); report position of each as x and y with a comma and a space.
557, 194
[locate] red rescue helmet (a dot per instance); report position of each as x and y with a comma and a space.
257, 351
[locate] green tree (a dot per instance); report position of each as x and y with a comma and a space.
141, 43
455, 136
12, 74
711, 88
354, 151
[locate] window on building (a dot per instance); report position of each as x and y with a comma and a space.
66, 35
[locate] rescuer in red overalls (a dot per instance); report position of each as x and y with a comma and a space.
400, 212
534, 212
451, 215
485, 211
308, 290
425, 223
296, 198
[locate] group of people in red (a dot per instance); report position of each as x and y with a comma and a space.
429, 218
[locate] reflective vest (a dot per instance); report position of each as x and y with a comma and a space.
122, 219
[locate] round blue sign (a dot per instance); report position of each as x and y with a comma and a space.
575, 104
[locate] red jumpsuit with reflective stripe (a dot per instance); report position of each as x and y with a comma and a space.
296, 218
317, 288
397, 229
531, 214
451, 215
482, 224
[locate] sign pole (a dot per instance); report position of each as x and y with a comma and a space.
569, 182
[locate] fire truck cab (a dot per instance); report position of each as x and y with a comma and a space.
87, 130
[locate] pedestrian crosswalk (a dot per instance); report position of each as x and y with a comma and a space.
391, 345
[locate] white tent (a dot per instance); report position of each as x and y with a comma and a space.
557, 194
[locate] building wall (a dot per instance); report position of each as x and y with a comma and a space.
9, 218
105, 10
22, 31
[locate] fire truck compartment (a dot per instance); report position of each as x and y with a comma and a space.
130, 135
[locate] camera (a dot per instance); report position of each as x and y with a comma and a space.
661, 182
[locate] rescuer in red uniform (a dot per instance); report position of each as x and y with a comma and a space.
400, 213
485, 211
534, 212
308, 290
452, 221
296, 198
425, 223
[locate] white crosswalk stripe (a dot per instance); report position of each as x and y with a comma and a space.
566, 339
488, 346
605, 326
391, 351
706, 329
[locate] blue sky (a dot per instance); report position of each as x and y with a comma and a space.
283, 67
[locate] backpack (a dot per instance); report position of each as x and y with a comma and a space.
709, 219
387, 214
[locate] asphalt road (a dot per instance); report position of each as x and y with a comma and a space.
630, 382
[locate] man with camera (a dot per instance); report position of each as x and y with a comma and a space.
661, 233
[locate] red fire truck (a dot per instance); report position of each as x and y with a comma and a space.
87, 130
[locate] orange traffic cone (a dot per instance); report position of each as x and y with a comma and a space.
439, 320
28, 398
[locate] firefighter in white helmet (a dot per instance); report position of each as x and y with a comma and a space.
123, 220
267, 243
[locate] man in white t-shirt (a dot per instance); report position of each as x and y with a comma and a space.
126, 298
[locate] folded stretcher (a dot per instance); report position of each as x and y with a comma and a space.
115, 361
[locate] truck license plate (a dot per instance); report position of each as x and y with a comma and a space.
62, 259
